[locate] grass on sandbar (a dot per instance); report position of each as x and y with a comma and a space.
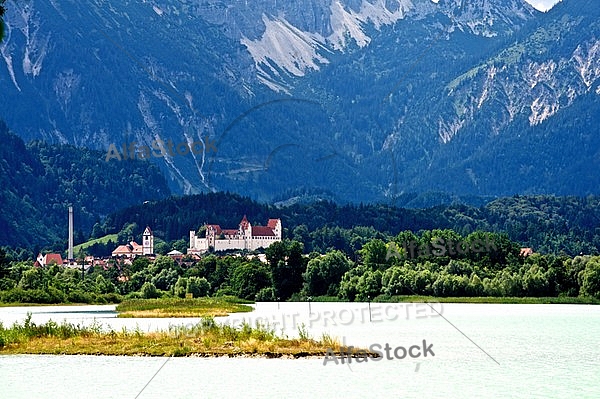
178, 307
207, 338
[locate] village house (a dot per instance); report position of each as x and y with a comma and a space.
48, 259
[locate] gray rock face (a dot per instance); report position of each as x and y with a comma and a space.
363, 98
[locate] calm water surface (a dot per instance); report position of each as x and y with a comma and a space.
481, 351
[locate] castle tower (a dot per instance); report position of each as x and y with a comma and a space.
245, 232
275, 224
244, 226
148, 242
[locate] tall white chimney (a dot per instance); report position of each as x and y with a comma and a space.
70, 233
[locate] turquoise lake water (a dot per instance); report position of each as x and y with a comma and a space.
481, 351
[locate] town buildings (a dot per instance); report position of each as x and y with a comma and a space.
134, 249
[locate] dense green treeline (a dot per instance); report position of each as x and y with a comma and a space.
38, 182
548, 224
495, 269
438, 263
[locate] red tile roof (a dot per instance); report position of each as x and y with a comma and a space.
215, 227
122, 249
53, 258
262, 231
244, 223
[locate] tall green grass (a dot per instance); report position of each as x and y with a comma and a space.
201, 306
101, 240
225, 333
23, 332
20, 333
206, 338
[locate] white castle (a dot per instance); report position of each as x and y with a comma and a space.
245, 237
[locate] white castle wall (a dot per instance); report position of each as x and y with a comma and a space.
199, 245
262, 242
224, 245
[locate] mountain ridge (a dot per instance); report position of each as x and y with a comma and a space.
371, 123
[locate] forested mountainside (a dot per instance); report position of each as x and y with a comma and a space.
39, 181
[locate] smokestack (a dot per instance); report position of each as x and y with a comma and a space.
70, 233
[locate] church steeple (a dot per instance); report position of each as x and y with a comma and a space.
148, 242
244, 223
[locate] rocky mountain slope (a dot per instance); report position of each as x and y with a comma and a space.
359, 99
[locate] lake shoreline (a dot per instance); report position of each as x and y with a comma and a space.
205, 355
393, 299
473, 300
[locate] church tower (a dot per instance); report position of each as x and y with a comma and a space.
148, 242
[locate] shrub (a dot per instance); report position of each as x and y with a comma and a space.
266, 295
112, 298
225, 291
51, 295
78, 296
198, 286
149, 291
181, 287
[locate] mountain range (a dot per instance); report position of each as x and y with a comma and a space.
355, 100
